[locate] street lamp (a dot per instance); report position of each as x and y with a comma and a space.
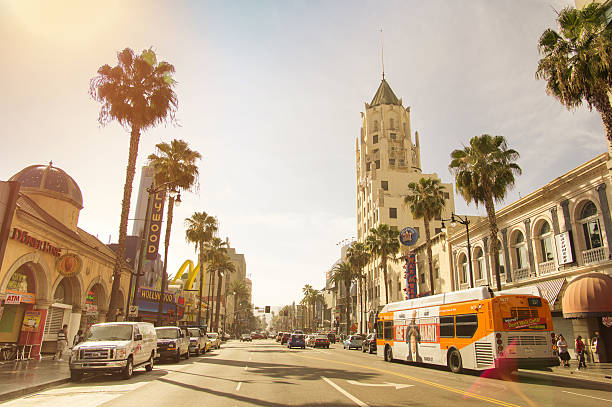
454, 219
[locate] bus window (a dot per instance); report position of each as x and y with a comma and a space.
447, 327
379, 330
388, 330
467, 325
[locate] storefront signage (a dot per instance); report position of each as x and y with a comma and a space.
12, 299
408, 236
31, 321
564, 248
153, 295
607, 321
154, 232
25, 298
69, 265
42, 245
529, 323
411, 276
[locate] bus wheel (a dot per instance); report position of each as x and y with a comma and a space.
388, 354
454, 361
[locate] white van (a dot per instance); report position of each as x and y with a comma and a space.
114, 347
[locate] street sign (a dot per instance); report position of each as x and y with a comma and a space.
133, 311
12, 299
408, 236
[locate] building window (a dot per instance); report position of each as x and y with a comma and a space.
391, 161
375, 125
480, 263
500, 257
545, 238
393, 135
446, 195
590, 226
393, 213
436, 272
377, 164
392, 123
394, 228
374, 139
384, 185
463, 269
402, 163
520, 251
437, 230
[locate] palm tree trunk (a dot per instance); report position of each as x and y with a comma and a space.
209, 303
347, 285
493, 249
432, 283
201, 260
603, 106
384, 264
125, 210
164, 281
218, 302
360, 305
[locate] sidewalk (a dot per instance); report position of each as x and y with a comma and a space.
599, 372
24, 377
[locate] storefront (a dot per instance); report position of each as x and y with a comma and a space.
173, 307
53, 273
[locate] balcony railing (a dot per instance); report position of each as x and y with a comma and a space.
521, 274
546, 267
464, 286
502, 277
594, 255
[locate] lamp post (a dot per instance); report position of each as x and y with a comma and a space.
454, 219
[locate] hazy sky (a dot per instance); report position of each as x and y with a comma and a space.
270, 94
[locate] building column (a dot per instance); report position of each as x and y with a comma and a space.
485, 243
605, 212
532, 271
504, 233
455, 275
568, 228
555, 220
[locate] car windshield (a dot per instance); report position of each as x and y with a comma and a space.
166, 333
213, 335
297, 336
193, 332
109, 332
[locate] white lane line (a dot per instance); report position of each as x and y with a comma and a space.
584, 395
238, 387
347, 394
246, 367
250, 357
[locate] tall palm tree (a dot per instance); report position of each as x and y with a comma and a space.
214, 251
426, 200
201, 228
224, 266
343, 273
576, 62
174, 166
240, 292
484, 172
382, 242
308, 292
138, 93
317, 298
358, 256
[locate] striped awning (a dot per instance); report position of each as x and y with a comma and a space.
550, 289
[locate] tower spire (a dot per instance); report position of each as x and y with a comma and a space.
382, 53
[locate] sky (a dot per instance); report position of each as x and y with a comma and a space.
270, 93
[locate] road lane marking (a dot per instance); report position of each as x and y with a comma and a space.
416, 379
246, 367
346, 393
238, 387
584, 395
385, 384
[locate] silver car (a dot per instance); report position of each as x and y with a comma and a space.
172, 342
353, 341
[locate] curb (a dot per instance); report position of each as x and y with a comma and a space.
595, 379
33, 389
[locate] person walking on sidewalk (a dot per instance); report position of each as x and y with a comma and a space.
596, 348
563, 353
77, 338
62, 342
580, 352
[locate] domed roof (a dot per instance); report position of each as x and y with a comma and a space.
51, 180
588, 295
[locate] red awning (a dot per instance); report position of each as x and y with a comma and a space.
589, 295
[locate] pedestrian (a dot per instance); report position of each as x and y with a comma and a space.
580, 352
596, 348
563, 353
62, 342
77, 338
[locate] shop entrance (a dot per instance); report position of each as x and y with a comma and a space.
66, 295
21, 294
94, 304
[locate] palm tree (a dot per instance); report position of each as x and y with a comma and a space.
358, 256
224, 265
343, 273
200, 229
576, 61
317, 298
484, 172
214, 252
426, 200
175, 167
240, 291
308, 292
382, 242
138, 93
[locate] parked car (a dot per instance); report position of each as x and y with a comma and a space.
332, 337
298, 331
369, 343
309, 339
320, 341
353, 341
114, 347
296, 341
172, 342
197, 340
285, 338
215, 340
279, 336
246, 338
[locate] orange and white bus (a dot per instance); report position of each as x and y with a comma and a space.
470, 329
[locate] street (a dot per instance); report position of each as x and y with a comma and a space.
263, 373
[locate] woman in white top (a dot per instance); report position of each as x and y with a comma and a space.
563, 353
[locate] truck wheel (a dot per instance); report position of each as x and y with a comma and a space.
187, 354
75, 375
128, 370
177, 357
149, 366
388, 354
454, 361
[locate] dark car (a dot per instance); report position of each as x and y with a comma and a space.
331, 337
172, 342
320, 341
296, 341
369, 344
245, 338
285, 338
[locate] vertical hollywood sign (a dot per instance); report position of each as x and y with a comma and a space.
411, 276
154, 232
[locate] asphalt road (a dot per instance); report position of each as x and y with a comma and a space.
263, 373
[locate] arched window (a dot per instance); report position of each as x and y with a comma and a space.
520, 251
546, 247
500, 257
463, 269
590, 226
479, 263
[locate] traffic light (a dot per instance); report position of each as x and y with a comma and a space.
267, 309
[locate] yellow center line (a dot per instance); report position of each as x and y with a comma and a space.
416, 379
